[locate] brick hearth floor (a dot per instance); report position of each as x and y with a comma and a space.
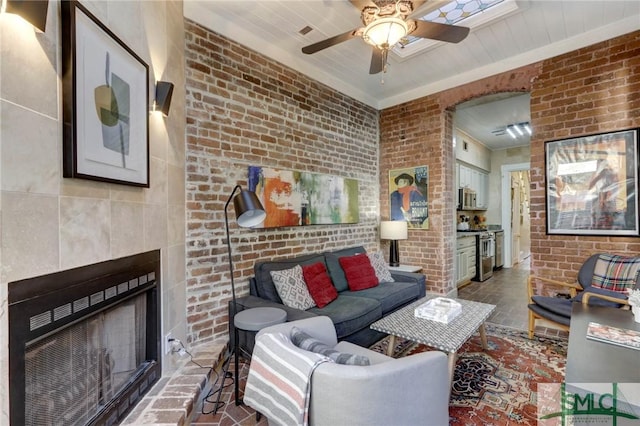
229, 414
174, 400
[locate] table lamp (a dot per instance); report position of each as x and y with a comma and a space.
393, 230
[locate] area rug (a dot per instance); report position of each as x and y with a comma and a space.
497, 386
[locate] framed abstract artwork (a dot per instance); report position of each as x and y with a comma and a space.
293, 198
408, 196
592, 184
105, 91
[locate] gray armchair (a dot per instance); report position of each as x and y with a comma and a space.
406, 391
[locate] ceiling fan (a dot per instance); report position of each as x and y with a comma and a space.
389, 22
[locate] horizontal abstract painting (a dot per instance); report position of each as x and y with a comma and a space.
293, 198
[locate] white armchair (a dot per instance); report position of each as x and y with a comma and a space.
406, 391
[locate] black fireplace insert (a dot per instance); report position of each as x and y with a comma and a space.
84, 344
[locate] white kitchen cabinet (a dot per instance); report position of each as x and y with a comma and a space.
465, 259
476, 180
481, 185
465, 177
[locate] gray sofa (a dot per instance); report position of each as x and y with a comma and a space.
352, 312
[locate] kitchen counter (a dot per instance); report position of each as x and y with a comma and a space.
462, 234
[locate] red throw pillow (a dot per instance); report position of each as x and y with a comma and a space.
359, 272
319, 284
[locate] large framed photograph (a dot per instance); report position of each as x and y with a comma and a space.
592, 184
105, 92
408, 189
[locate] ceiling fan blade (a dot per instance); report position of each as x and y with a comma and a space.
378, 59
331, 41
442, 32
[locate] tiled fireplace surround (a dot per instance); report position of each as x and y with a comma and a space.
58, 312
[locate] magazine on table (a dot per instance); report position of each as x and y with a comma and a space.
614, 335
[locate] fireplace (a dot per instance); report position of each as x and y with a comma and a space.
84, 344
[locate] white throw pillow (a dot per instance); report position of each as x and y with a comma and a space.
380, 267
292, 289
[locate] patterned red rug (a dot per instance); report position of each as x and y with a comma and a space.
498, 386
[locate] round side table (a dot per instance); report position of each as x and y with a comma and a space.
252, 320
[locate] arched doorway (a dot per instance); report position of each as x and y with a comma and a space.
489, 148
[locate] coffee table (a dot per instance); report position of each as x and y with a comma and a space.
445, 337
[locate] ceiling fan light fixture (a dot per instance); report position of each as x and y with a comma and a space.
384, 33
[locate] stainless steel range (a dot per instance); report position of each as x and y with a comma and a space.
485, 252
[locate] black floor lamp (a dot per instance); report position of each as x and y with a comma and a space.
249, 213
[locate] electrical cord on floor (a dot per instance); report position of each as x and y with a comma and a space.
217, 390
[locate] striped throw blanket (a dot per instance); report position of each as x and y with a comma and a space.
279, 381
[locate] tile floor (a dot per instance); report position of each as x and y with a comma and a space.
506, 289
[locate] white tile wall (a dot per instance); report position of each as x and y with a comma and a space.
50, 223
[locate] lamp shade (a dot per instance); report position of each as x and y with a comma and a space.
384, 33
393, 230
249, 210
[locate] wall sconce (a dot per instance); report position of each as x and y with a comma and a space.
32, 11
162, 102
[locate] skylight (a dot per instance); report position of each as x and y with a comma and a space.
469, 13
458, 10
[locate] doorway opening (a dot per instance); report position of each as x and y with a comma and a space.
515, 188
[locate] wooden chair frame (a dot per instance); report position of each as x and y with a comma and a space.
573, 288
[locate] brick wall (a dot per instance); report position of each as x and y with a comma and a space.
244, 109
420, 133
591, 90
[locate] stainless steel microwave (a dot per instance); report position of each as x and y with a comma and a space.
466, 199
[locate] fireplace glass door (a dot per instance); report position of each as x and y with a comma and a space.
74, 372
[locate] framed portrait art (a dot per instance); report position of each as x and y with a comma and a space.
408, 196
592, 184
105, 91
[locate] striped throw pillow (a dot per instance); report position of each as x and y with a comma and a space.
311, 344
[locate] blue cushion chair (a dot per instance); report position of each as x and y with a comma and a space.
556, 308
